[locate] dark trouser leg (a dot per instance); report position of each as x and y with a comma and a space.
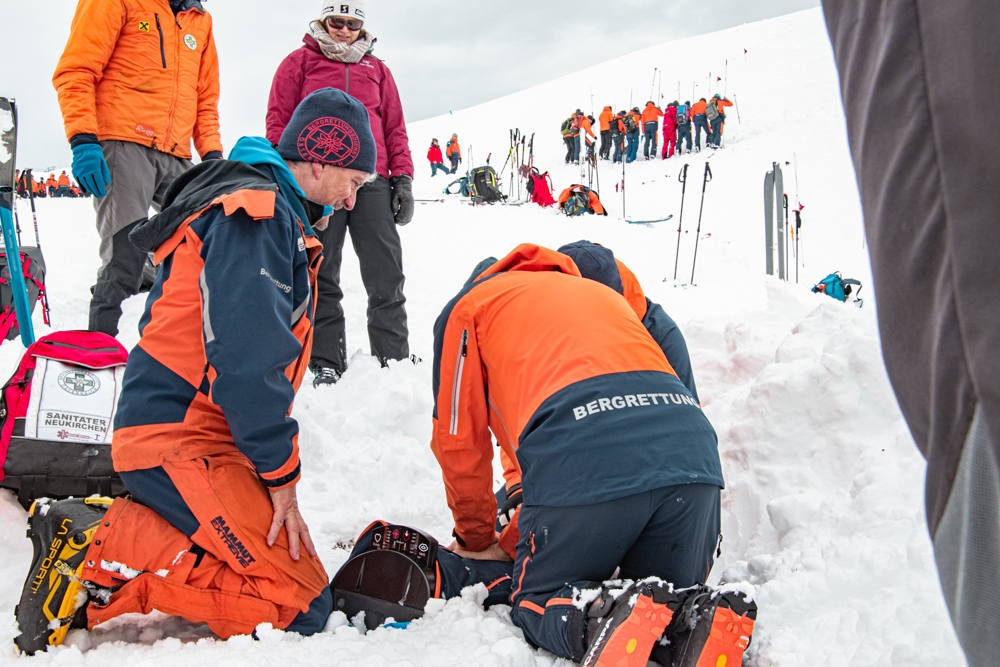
380, 252
670, 533
119, 280
570, 145
454, 163
717, 132
329, 333
605, 143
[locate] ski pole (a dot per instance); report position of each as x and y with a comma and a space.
624, 217
798, 234
708, 177
682, 177
737, 103
34, 216
786, 233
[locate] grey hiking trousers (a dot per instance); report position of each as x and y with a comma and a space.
916, 77
139, 179
380, 253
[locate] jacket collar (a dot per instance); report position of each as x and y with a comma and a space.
531, 257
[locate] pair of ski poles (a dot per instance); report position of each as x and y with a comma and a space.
683, 178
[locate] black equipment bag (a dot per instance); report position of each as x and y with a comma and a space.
485, 185
47, 468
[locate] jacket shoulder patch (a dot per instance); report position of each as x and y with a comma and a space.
258, 204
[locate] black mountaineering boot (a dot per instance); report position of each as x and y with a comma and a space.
60, 533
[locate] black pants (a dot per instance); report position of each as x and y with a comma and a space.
605, 144
117, 281
376, 242
671, 533
570, 147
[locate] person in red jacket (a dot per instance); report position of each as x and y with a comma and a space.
669, 130
337, 53
436, 159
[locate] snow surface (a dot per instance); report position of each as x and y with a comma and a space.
823, 511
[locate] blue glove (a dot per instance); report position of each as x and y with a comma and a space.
90, 169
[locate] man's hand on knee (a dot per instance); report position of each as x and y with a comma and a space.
286, 513
492, 552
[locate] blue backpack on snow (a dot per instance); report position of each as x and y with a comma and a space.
838, 287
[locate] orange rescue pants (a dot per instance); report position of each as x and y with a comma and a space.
238, 583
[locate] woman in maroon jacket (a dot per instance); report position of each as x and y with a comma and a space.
337, 54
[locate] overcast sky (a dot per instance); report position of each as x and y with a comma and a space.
444, 54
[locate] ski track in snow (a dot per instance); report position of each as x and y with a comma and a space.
823, 511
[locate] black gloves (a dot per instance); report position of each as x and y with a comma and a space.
402, 198
211, 155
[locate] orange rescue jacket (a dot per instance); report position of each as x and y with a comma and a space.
650, 114
605, 119
581, 400
699, 108
132, 71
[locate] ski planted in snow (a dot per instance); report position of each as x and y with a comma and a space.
8, 198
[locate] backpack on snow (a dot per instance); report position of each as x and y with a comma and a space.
33, 270
838, 287
630, 124
56, 418
540, 188
485, 186
682, 114
579, 199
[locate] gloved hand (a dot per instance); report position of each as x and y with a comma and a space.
211, 155
402, 198
90, 169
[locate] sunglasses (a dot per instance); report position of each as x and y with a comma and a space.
338, 23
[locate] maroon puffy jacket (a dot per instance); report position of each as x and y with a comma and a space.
307, 70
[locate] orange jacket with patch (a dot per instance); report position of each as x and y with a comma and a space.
581, 400
650, 114
605, 119
132, 71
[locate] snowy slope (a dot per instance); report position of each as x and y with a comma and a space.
823, 511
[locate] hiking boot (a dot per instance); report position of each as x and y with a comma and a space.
623, 627
53, 594
709, 629
324, 375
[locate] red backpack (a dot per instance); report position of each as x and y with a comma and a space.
540, 188
56, 417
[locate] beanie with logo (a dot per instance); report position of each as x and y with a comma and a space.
330, 127
353, 9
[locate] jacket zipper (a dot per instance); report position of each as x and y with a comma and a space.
347, 78
159, 29
78, 347
173, 94
456, 388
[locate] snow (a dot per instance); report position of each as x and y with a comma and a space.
823, 518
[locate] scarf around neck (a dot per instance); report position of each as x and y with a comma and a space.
341, 53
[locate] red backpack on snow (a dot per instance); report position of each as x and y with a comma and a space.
540, 188
56, 417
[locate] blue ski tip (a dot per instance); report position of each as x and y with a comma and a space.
397, 626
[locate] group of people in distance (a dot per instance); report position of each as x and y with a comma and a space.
626, 130
604, 532
62, 186
452, 150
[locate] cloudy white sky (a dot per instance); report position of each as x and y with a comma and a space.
444, 54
